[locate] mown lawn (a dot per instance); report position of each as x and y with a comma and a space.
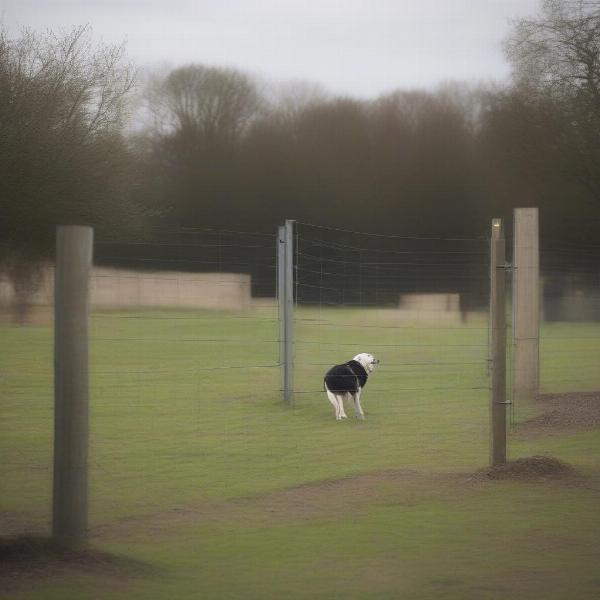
189, 460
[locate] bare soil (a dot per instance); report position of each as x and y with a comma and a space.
562, 413
323, 498
29, 559
534, 468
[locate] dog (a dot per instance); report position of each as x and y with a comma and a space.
347, 381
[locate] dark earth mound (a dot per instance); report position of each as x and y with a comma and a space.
27, 559
533, 468
563, 413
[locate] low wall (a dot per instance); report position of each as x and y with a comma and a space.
430, 307
122, 288
571, 298
112, 288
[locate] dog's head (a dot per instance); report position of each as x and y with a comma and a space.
368, 361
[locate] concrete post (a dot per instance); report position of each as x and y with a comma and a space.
71, 310
498, 345
526, 303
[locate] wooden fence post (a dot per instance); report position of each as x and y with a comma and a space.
288, 284
498, 345
281, 301
71, 315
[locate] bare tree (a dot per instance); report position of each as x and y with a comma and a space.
201, 117
62, 83
289, 100
205, 102
62, 157
558, 51
556, 66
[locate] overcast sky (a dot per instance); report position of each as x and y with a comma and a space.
357, 47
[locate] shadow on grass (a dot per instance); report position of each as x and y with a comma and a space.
534, 468
27, 560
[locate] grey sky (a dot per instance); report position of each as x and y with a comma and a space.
358, 47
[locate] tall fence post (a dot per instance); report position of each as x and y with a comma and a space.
498, 345
526, 303
288, 313
281, 299
71, 315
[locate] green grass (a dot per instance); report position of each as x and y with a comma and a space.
174, 433
570, 355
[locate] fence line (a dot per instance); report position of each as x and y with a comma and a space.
183, 386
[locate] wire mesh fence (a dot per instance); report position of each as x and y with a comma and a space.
185, 384
183, 340
570, 333
419, 305
179, 362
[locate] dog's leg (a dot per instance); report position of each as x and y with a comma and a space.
343, 414
359, 411
334, 401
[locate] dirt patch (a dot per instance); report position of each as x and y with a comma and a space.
26, 560
322, 498
349, 493
15, 523
533, 468
563, 413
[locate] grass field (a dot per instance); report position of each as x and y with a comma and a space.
200, 473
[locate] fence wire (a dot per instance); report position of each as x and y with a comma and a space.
570, 332
185, 386
420, 305
183, 342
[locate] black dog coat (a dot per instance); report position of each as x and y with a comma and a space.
349, 377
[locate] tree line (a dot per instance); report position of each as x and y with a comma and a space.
217, 148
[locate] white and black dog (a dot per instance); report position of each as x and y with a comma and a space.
347, 381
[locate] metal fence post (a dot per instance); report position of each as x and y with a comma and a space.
498, 345
288, 314
71, 311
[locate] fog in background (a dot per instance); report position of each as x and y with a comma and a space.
357, 47
387, 117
